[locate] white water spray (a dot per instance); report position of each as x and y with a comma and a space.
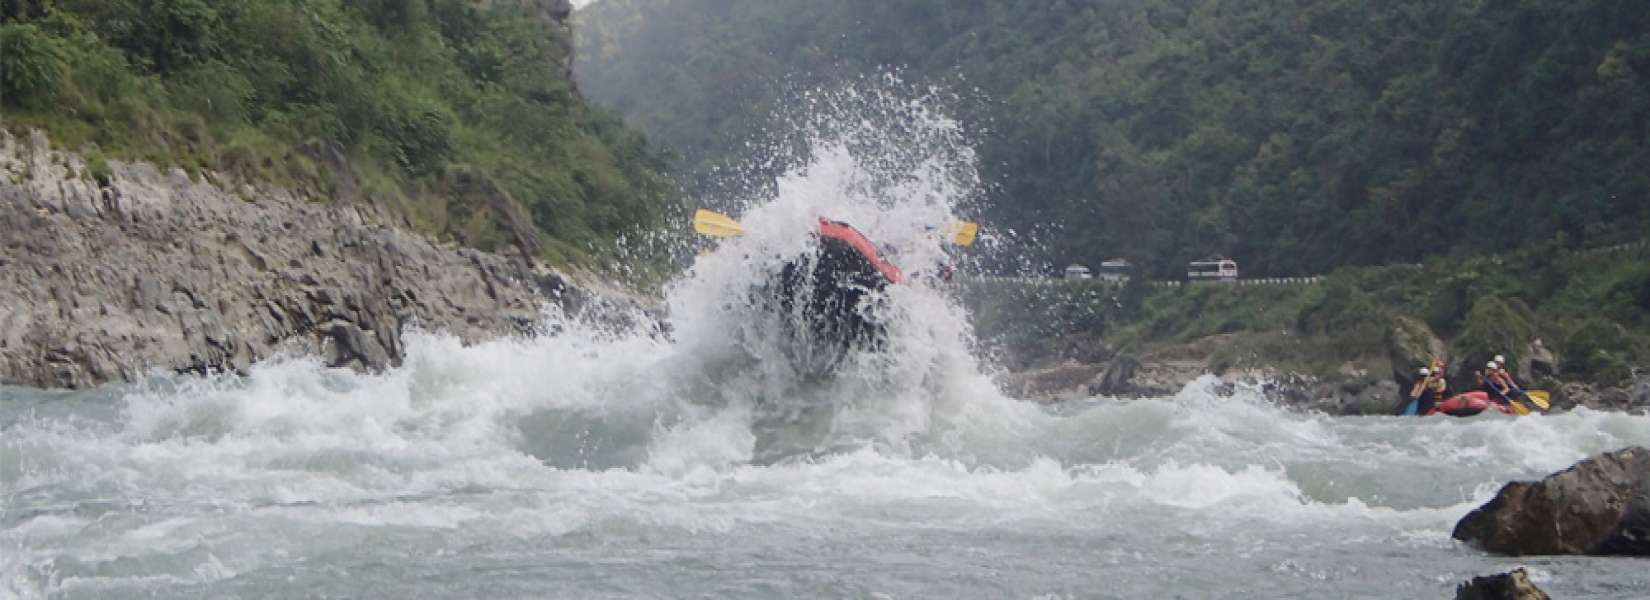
623, 464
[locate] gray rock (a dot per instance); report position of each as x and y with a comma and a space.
1638, 396
1410, 346
1375, 399
1600, 506
354, 347
1118, 377
1538, 361
156, 271
1506, 586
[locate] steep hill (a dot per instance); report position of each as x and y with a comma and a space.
1295, 136
459, 114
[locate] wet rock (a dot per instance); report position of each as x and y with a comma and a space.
1600, 506
351, 345
1118, 377
1638, 396
168, 278
1375, 399
1292, 390
1058, 382
1505, 586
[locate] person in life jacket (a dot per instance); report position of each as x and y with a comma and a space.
1514, 390
1500, 392
1437, 385
1424, 393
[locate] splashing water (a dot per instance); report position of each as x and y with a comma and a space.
601, 463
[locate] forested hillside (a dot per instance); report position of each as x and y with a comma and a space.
459, 112
1292, 135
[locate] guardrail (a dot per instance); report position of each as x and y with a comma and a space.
1058, 281
1616, 249
1639, 246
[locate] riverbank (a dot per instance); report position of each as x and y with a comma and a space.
113, 271
1571, 321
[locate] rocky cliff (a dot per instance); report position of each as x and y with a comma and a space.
108, 271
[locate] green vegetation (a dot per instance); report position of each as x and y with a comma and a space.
404, 95
1296, 136
1591, 308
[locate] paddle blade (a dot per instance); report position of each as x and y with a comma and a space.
963, 234
1518, 408
716, 224
1540, 398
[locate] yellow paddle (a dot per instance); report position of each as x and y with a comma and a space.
1540, 398
963, 234
716, 224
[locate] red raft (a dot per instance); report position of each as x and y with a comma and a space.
831, 297
1468, 404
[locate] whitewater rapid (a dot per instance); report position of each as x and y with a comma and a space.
689, 460
480, 472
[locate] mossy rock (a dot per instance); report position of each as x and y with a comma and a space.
1411, 344
1494, 326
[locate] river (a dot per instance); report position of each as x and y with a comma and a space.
693, 461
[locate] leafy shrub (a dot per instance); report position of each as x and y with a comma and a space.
1338, 307
1600, 350
97, 167
31, 65
406, 88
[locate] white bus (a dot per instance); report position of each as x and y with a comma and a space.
1116, 270
1212, 269
1078, 272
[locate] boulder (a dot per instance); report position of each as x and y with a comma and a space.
1600, 506
1638, 396
1411, 345
1118, 377
1538, 361
1493, 326
1375, 399
1505, 586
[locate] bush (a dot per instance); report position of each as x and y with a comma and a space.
422, 133
1339, 308
97, 167
1599, 350
31, 65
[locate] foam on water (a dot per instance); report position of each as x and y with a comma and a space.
483, 470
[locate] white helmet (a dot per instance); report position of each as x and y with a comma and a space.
1425, 371
1500, 360
1491, 365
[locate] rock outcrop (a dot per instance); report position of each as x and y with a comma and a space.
1600, 506
104, 278
1411, 345
1506, 586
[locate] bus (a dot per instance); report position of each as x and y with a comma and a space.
1212, 269
1116, 270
